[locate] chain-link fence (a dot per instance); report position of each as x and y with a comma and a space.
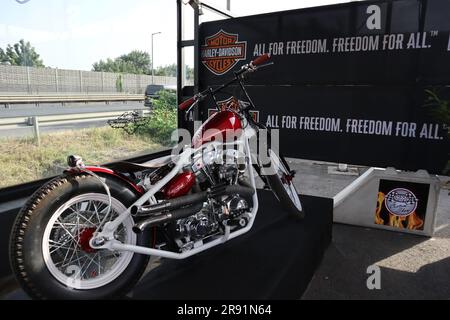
15, 79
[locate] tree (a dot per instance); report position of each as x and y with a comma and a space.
167, 71
119, 83
21, 54
137, 62
139, 59
162, 121
189, 72
171, 71
439, 109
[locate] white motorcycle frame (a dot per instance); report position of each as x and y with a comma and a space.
107, 234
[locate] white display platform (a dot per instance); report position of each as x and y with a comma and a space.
357, 203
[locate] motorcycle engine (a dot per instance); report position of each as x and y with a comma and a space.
198, 226
219, 166
214, 168
207, 221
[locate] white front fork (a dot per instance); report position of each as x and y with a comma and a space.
105, 238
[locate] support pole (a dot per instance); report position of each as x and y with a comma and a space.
81, 80
29, 80
196, 111
37, 137
179, 53
56, 80
103, 81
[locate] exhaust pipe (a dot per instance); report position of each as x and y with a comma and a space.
183, 207
172, 204
169, 204
167, 217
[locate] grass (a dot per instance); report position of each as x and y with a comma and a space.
21, 160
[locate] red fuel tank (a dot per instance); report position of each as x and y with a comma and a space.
180, 185
221, 124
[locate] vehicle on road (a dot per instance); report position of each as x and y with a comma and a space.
151, 92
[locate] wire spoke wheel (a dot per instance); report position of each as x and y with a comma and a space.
66, 249
285, 179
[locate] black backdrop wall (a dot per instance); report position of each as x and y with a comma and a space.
358, 83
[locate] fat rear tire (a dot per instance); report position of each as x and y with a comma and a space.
26, 253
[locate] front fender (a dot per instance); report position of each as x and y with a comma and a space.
105, 171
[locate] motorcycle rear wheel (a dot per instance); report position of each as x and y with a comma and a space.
49, 247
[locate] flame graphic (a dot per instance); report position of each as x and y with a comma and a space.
396, 221
378, 219
414, 222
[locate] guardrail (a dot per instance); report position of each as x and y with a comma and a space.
36, 121
63, 98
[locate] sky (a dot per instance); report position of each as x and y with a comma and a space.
73, 34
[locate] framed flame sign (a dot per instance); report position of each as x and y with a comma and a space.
401, 204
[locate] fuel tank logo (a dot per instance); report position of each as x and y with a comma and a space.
232, 104
401, 202
222, 51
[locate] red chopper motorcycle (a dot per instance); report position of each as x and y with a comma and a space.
89, 233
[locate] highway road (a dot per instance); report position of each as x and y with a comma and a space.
28, 130
29, 110
58, 109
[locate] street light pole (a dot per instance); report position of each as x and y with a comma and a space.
152, 54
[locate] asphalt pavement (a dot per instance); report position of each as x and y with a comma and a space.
411, 266
28, 130
29, 110
46, 109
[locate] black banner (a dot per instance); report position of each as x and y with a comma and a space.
361, 83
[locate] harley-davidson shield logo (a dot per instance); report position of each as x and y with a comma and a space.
222, 51
232, 104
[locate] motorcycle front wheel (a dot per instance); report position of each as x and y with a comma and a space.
49, 248
281, 183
